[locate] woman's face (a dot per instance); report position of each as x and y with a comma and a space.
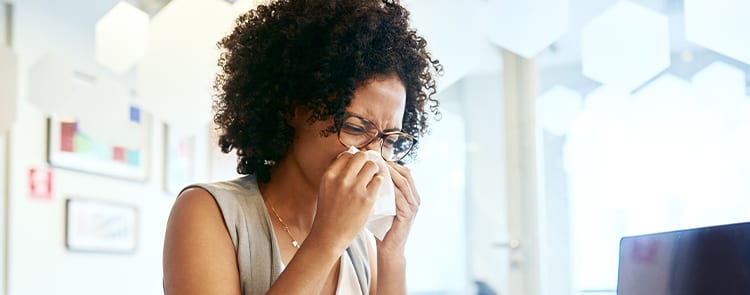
382, 100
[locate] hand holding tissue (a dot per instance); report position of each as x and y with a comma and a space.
384, 209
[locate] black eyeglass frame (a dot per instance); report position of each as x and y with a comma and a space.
378, 136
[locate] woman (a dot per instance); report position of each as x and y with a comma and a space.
301, 82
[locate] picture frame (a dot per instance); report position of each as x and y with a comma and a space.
181, 157
115, 148
100, 226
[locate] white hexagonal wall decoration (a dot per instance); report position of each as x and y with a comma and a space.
527, 27
121, 37
666, 100
8, 93
607, 106
455, 36
666, 85
719, 25
582, 11
720, 81
50, 86
625, 46
55, 87
721, 87
557, 108
175, 77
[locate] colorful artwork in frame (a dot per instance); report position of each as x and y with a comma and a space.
118, 147
99, 226
180, 157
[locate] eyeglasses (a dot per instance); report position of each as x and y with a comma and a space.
359, 132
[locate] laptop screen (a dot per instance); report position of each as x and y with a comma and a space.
701, 261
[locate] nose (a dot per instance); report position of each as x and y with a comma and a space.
374, 145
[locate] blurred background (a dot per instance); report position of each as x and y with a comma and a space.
567, 124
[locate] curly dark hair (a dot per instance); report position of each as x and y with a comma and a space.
313, 54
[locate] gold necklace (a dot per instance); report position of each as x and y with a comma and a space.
286, 228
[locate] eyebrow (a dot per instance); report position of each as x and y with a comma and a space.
365, 117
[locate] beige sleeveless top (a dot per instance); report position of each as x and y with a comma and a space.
255, 243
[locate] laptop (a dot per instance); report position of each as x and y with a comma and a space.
701, 261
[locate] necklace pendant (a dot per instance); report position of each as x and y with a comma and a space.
295, 244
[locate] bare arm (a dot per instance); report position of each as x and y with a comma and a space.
388, 270
199, 256
391, 277
308, 270
391, 273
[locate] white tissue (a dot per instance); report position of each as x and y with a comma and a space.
384, 210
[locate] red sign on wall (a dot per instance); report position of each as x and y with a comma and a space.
40, 183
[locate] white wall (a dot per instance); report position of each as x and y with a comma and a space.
3, 208
440, 227
3, 163
37, 238
482, 103
39, 262
463, 211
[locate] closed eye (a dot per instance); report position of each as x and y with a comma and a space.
353, 129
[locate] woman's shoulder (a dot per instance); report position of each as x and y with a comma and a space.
239, 201
240, 192
194, 210
217, 207
195, 203
196, 240
246, 185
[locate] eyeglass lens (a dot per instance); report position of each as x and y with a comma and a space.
358, 132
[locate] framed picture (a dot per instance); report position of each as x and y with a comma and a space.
180, 158
98, 226
117, 147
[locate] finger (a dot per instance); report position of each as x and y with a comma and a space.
404, 210
401, 203
401, 168
374, 185
340, 162
411, 199
406, 187
368, 171
399, 180
341, 168
405, 172
355, 164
